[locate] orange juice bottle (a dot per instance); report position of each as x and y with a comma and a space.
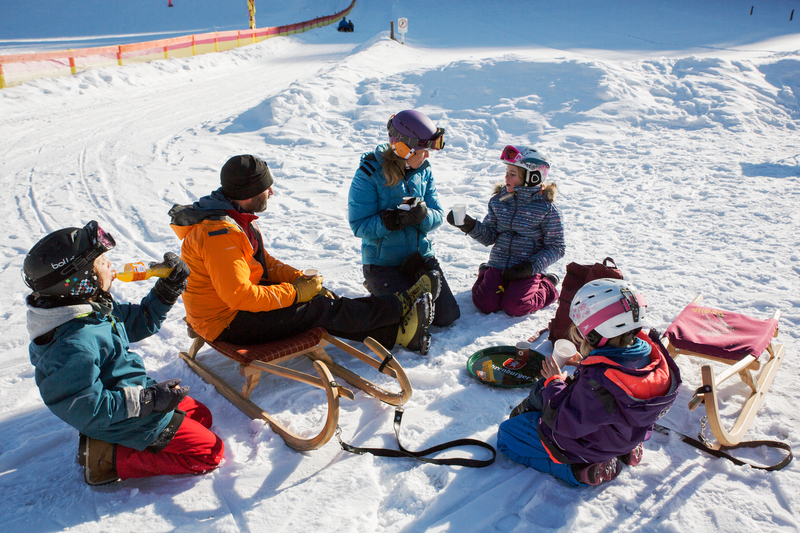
139, 271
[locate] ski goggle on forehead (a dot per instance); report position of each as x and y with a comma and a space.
511, 155
406, 146
99, 243
99, 238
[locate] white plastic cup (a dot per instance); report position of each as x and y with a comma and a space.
310, 273
563, 351
459, 212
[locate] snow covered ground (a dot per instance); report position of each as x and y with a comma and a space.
672, 131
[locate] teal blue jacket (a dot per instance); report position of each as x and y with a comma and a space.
369, 196
86, 375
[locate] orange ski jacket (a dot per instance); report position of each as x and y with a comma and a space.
226, 277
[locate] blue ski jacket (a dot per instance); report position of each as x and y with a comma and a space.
86, 375
369, 196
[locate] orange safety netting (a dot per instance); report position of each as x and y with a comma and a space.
19, 68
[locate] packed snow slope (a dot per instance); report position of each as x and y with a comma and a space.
672, 132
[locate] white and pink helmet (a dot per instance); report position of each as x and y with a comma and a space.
607, 308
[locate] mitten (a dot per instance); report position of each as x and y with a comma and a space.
466, 227
522, 270
170, 288
413, 216
161, 397
307, 288
391, 219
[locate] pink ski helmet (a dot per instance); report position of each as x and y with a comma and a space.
607, 308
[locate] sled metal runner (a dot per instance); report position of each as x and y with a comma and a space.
256, 359
744, 343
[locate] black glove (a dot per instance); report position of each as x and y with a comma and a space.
466, 227
523, 270
161, 397
391, 219
168, 289
413, 216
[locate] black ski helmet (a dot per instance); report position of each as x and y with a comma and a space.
61, 265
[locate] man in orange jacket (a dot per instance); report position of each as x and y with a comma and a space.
238, 293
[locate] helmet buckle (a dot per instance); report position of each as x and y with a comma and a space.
630, 303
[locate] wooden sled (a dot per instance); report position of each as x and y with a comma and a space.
745, 344
253, 360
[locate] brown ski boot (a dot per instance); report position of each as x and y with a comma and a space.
98, 460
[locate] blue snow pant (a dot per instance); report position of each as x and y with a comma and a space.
519, 440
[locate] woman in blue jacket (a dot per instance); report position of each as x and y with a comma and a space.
130, 425
393, 205
581, 428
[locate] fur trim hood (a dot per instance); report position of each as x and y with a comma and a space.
548, 190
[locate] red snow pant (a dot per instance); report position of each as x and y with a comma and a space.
517, 298
193, 450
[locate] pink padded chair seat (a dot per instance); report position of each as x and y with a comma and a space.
719, 333
269, 351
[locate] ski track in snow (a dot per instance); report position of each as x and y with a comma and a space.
684, 169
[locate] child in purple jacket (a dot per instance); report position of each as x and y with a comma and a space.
579, 428
523, 227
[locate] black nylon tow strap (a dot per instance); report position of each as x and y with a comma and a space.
420, 455
721, 450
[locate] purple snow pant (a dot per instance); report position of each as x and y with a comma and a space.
517, 298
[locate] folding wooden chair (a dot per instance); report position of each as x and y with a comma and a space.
744, 343
253, 360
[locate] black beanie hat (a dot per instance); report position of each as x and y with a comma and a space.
244, 176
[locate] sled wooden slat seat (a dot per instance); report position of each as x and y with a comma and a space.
253, 360
744, 343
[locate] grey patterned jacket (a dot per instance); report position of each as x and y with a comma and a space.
521, 226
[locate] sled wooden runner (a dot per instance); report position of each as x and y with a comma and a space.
744, 343
253, 360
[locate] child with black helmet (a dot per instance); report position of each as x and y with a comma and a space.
130, 425
523, 227
581, 428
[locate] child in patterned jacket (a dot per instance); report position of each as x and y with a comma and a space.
524, 228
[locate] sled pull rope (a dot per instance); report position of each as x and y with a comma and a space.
420, 455
718, 450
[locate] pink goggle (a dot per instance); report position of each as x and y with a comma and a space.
510, 154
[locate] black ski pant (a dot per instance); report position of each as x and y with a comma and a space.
384, 280
349, 318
